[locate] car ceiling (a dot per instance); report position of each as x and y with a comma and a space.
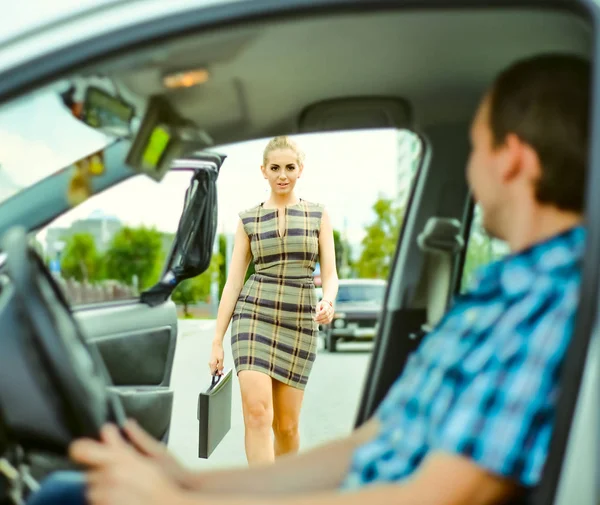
264, 75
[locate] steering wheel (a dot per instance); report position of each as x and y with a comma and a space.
53, 384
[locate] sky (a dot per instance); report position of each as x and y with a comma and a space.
345, 171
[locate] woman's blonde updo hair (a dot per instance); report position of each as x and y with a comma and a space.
283, 142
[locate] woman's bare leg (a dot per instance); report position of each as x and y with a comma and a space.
287, 402
257, 403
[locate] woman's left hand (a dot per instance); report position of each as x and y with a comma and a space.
324, 312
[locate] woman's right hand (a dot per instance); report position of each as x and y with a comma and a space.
216, 359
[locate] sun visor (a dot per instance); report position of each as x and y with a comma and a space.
356, 113
163, 137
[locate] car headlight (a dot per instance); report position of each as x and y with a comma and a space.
339, 323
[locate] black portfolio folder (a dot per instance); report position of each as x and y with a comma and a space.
214, 413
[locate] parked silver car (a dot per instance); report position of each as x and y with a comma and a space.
358, 305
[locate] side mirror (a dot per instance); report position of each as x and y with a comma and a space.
192, 248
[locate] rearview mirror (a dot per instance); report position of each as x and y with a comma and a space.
107, 113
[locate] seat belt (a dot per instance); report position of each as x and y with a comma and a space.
441, 240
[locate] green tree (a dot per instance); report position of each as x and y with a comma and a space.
188, 292
379, 243
339, 250
80, 258
343, 260
197, 288
223, 267
167, 241
135, 252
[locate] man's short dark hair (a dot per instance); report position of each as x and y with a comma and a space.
545, 101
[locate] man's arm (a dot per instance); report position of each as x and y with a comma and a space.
322, 468
443, 479
117, 473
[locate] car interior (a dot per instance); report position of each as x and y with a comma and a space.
258, 71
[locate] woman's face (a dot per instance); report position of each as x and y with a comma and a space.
282, 171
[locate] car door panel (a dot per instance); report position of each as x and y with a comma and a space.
137, 344
144, 352
150, 406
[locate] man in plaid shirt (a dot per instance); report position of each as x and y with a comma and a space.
470, 419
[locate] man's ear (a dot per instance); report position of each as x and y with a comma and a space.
532, 167
512, 157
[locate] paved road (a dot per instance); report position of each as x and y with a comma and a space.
329, 408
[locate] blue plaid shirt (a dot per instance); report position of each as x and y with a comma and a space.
484, 383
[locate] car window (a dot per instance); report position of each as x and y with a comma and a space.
115, 244
481, 250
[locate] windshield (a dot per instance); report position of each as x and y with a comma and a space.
39, 136
361, 293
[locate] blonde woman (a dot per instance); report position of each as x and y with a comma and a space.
275, 314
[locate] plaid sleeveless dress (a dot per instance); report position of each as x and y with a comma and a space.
272, 329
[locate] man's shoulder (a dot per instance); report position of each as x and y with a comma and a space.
536, 318
556, 259
526, 290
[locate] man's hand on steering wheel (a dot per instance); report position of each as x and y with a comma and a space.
117, 474
156, 451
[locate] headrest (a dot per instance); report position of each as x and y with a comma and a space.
441, 235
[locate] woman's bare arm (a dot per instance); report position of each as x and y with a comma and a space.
238, 267
329, 274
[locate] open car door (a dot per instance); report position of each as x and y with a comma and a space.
137, 338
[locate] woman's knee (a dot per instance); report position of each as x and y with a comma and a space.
259, 415
287, 402
257, 399
285, 426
